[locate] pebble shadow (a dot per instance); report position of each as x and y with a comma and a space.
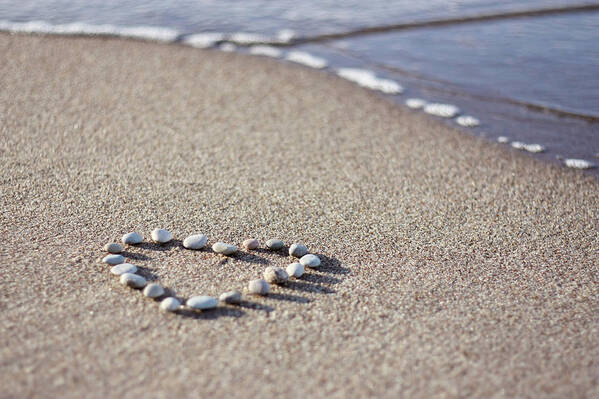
212, 314
305, 287
288, 297
152, 246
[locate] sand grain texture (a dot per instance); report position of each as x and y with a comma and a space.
451, 268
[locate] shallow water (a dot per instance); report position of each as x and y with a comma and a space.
533, 79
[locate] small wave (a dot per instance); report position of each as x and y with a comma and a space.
415, 103
442, 110
203, 40
307, 59
578, 164
467, 121
81, 28
267, 51
368, 79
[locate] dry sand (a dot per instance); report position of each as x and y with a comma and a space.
452, 267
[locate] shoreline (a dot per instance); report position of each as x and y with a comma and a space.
447, 261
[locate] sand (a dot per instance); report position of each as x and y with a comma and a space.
451, 267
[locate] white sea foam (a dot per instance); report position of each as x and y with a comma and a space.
80, 28
467, 121
415, 103
285, 35
267, 51
248, 38
227, 47
366, 78
534, 148
442, 110
578, 163
518, 145
307, 59
203, 40
503, 140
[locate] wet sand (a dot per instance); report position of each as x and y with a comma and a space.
451, 267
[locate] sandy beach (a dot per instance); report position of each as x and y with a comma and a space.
451, 267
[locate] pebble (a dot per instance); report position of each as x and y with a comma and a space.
295, 270
232, 297
153, 290
442, 110
202, 302
251, 243
275, 244
224, 249
132, 238
161, 236
133, 280
113, 248
276, 275
503, 140
170, 304
578, 163
113, 259
123, 268
415, 103
196, 241
310, 260
467, 121
259, 287
298, 250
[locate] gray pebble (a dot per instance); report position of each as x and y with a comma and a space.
202, 302
295, 270
132, 238
113, 248
113, 259
298, 250
310, 260
153, 290
224, 249
170, 304
251, 243
123, 268
232, 297
161, 236
275, 244
196, 241
276, 275
133, 280
259, 287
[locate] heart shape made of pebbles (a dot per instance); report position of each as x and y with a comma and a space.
271, 271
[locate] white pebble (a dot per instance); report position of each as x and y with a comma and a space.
298, 250
310, 260
224, 249
161, 236
415, 103
534, 148
196, 241
232, 297
202, 302
276, 275
170, 304
275, 244
518, 145
113, 248
503, 140
133, 280
467, 121
259, 287
113, 259
251, 243
295, 270
153, 290
578, 163
442, 110
123, 268
132, 238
